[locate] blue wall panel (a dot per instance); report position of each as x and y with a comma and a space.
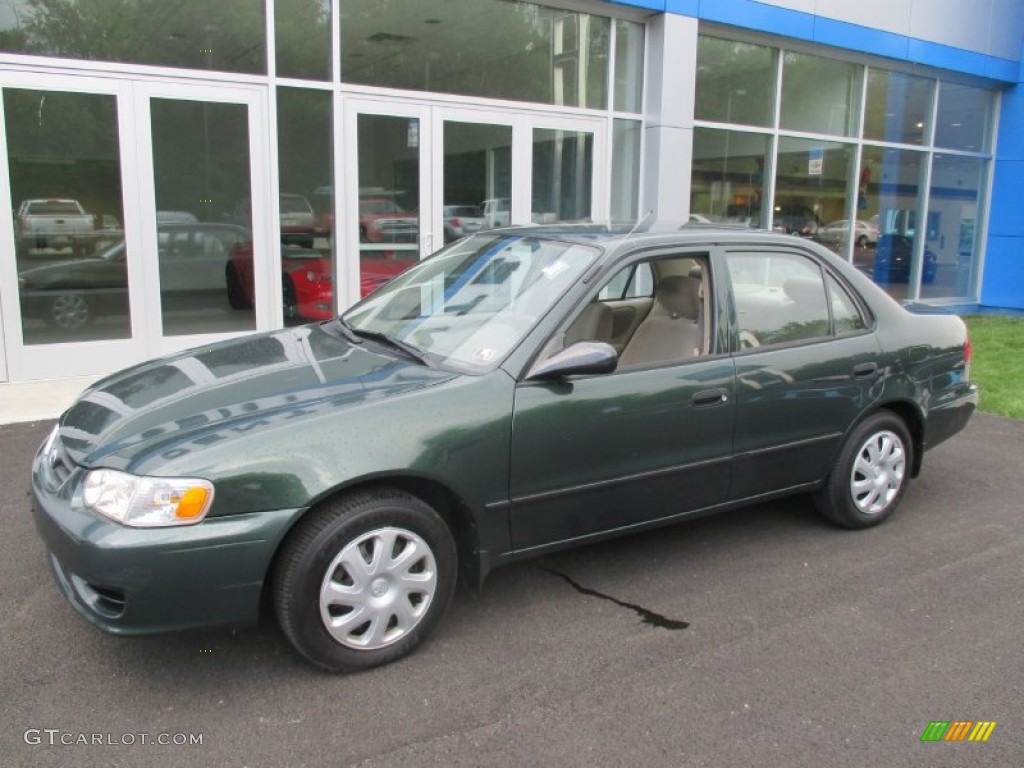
1006, 212
1003, 282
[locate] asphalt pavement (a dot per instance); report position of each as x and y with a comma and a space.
760, 637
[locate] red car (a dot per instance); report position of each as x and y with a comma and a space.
307, 279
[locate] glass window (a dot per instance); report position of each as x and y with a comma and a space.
898, 107
964, 117
217, 35
306, 204
629, 66
629, 283
889, 197
477, 174
389, 197
492, 48
563, 166
812, 188
951, 231
201, 166
846, 316
820, 95
780, 298
65, 176
728, 176
302, 38
625, 191
735, 82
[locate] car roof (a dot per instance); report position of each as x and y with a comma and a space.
611, 236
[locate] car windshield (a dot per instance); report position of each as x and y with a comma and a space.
469, 305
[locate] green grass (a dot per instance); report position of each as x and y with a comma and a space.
997, 363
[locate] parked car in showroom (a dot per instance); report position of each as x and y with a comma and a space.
520, 392
461, 220
73, 293
382, 220
838, 232
893, 257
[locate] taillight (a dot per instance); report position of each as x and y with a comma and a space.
456, 222
967, 359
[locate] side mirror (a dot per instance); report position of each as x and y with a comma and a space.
580, 358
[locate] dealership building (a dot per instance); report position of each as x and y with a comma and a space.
182, 171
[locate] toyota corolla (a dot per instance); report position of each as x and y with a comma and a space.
522, 391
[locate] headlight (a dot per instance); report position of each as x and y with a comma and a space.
147, 502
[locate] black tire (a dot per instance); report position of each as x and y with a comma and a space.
414, 586
870, 474
862, 241
236, 296
290, 304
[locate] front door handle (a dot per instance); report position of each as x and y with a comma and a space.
708, 397
865, 370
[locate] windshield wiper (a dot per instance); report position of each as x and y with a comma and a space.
346, 329
389, 341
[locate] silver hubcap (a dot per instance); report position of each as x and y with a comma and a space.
70, 311
878, 472
378, 588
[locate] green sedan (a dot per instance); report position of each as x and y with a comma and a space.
522, 391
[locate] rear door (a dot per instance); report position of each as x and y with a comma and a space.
807, 365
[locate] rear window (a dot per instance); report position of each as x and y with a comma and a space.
54, 207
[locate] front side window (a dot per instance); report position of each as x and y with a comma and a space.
779, 298
652, 312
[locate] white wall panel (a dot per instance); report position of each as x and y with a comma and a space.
887, 15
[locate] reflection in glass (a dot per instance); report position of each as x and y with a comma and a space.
625, 191
302, 38
727, 183
477, 177
888, 201
629, 66
735, 82
898, 107
219, 35
201, 173
389, 197
562, 175
812, 180
820, 95
492, 48
305, 168
951, 229
964, 117
65, 176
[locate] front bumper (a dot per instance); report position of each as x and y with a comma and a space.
144, 581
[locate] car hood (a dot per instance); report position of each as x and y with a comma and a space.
233, 386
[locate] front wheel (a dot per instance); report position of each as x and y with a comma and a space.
363, 579
870, 475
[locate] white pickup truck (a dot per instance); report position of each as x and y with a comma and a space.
55, 223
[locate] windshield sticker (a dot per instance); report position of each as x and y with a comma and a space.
484, 355
551, 271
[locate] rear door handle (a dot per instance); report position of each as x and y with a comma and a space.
708, 397
865, 370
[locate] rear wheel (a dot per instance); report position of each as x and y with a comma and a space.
363, 579
870, 475
69, 311
289, 301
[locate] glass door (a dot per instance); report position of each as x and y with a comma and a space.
420, 176
65, 265
206, 219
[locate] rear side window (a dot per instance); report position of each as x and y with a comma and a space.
780, 298
845, 313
